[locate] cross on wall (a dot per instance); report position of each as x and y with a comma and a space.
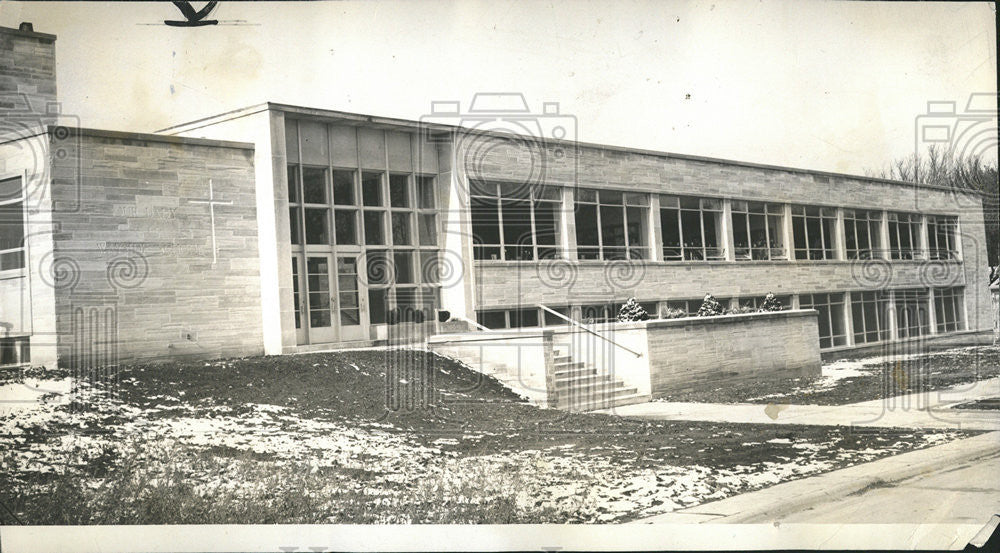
212, 202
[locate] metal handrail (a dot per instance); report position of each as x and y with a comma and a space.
580, 326
473, 323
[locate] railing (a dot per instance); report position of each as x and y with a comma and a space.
473, 323
585, 329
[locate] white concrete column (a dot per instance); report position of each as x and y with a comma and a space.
922, 239
840, 236
931, 311
891, 316
884, 235
789, 232
567, 224
729, 243
848, 310
655, 228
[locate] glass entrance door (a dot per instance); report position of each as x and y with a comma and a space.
350, 305
320, 299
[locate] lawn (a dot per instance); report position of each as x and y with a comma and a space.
867, 379
309, 439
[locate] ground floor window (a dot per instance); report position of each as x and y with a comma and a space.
870, 315
948, 309
14, 350
11, 225
691, 307
507, 318
551, 320
832, 327
912, 318
756, 302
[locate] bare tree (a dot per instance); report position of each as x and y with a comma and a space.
942, 167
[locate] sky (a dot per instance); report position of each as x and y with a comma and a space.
833, 86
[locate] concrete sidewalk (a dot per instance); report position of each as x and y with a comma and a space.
923, 410
829, 495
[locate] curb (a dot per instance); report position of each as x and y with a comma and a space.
770, 504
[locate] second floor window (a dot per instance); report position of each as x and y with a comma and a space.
941, 237
611, 224
515, 222
813, 232
757, 231
692, 228
862, 233
904, 236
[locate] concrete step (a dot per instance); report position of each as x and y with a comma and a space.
572, 373
563, 359
586, 395
580, 379
593, 387
565, 366
579, 407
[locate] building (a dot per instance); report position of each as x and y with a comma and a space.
276, 228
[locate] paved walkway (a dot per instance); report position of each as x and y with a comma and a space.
948, 489
923, 410
954, 483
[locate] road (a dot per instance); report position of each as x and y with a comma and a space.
968, 493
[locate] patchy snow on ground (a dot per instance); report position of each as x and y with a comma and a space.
384, 464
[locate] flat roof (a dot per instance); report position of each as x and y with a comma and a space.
30, 34
395, 123
127, 135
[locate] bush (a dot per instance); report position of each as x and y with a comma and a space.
631, 312
771, 303
710, 307
673, 313
740, 310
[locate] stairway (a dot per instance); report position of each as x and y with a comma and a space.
577, 386
580, 387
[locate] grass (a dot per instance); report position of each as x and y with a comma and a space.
921, 373
309, 438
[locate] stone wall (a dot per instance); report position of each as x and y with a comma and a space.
509, 284
706, 352
27, 77
133, 267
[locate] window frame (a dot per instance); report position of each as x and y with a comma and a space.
894, 223
829, 301
872, 223
802, 215
22, 249
743, 208
641, 252
949, 224
694, 252
537, 195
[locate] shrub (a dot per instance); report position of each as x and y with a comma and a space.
710, 307
740, 310
673, 313
771, 303
631, 312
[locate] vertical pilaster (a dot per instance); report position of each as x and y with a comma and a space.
848, 311
727, 230
789, 233
655, 228
567, 239
840, 236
